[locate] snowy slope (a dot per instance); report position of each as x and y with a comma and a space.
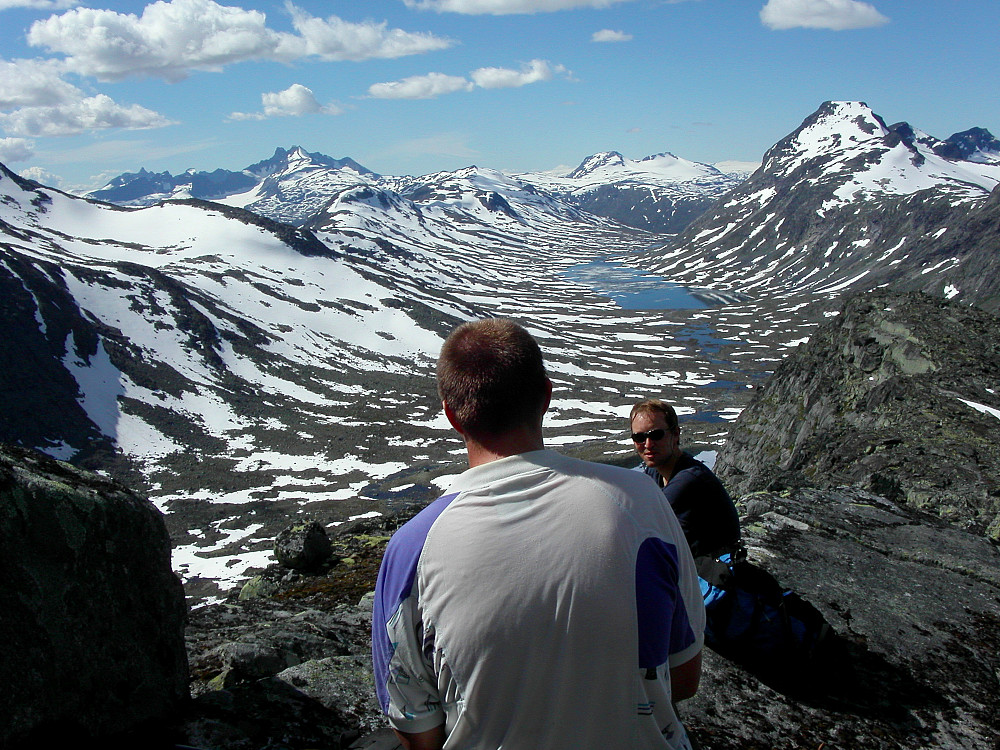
844, 202
661, 193
243, 372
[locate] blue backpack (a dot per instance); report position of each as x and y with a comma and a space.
754, 621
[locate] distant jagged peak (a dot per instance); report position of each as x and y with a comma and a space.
297, 158
974, 144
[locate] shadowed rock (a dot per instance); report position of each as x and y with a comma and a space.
91, 615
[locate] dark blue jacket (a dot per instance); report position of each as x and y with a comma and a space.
706, 513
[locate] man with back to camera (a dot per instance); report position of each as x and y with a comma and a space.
706, 513
543, 601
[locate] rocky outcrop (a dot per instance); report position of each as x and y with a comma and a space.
916, 603
899, 395
303, 546
91, 615
288, 663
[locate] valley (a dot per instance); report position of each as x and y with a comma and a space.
270, 356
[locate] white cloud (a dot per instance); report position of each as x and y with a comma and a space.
608, 35
500, 78
16, 149
38, 4
168, 40
336, 39
505, 7
172, 38
41, 176
295, 101
89, 113
435, 84
419, 87
837, 15
34, 83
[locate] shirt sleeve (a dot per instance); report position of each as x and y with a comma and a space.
405, 682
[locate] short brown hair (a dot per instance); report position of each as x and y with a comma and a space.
491, 375
653, 406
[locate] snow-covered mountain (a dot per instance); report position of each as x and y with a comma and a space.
267, 182
243, 372
661, 193
848, 202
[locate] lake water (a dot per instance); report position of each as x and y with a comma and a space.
632, 289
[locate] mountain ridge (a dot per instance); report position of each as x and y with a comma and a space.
246, 366
843, 202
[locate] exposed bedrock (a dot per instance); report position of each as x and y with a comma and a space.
91, 615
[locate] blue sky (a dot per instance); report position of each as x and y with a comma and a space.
88, 91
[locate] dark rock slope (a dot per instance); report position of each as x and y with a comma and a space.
91, 615
899, 395
915, 601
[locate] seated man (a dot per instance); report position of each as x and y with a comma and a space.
543, 601
706, 513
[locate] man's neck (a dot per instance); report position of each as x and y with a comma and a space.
494, 447
666, 469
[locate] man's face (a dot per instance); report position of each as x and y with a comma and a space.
655, 452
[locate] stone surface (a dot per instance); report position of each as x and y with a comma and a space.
303, 546
290, 668
893, 395
91, 615
916, 603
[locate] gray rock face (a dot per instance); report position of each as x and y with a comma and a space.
917, 604
91, 615
898, 395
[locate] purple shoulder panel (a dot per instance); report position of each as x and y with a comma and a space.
395, 583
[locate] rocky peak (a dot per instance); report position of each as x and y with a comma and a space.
603, 160
297, 158
831, 128
975, 144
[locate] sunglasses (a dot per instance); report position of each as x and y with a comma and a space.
654, 435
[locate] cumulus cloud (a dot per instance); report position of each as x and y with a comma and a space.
504, 78
34, 83
608, 35
336, 39
16, 149
837, 15
419, 87
88, 113
435, 84
168, 40
174, 37
38, 4
41, 176
36, 101
505, 7
295, 101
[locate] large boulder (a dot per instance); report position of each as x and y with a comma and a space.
91, 615
915, 603
899, 395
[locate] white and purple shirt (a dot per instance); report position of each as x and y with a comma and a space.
540, 603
